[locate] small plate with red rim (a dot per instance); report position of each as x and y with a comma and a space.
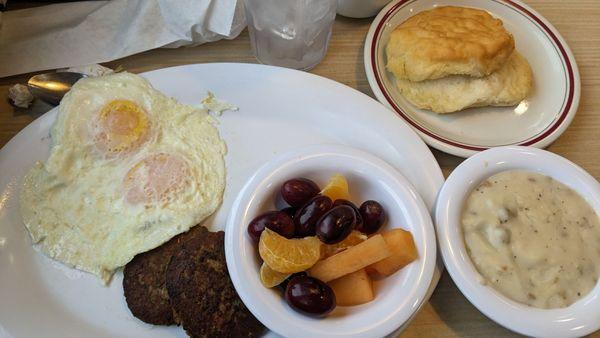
537, 121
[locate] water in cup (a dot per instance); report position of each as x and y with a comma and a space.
290, 33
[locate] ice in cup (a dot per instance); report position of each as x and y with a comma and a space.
290, 33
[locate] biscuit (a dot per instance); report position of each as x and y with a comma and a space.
448, 41
506, 87
144, 280
202, 295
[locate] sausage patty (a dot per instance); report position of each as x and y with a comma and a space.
144, 280
202, 294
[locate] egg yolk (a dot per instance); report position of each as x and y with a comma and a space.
156, 178
122, 126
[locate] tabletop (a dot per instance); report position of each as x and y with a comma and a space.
448, 313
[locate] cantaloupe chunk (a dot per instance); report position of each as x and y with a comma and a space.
352, 259
353, 289
401, 244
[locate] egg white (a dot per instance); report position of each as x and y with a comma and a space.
74, 204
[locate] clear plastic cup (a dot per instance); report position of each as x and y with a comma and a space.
290, 33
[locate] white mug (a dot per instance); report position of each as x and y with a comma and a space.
360, 8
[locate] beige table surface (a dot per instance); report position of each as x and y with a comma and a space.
448, 313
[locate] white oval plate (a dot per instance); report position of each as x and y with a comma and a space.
397, 297
578, 319
536, 121
280, 109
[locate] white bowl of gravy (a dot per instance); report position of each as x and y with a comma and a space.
519, 233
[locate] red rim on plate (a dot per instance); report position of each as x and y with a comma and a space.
566, 62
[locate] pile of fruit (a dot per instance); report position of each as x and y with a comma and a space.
322, 250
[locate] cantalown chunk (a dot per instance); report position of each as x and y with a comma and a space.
350, 260
353, 289
401, 244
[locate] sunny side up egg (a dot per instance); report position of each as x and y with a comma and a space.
129, 168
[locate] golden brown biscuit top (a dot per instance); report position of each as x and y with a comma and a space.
450, 40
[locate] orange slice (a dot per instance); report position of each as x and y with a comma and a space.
337, 188
355, 237
270, 277
288, 255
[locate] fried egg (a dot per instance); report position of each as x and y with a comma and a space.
129, 168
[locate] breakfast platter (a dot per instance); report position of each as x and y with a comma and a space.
294, 108
243, 200
536, 121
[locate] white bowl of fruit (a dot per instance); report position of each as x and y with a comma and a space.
330, 241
